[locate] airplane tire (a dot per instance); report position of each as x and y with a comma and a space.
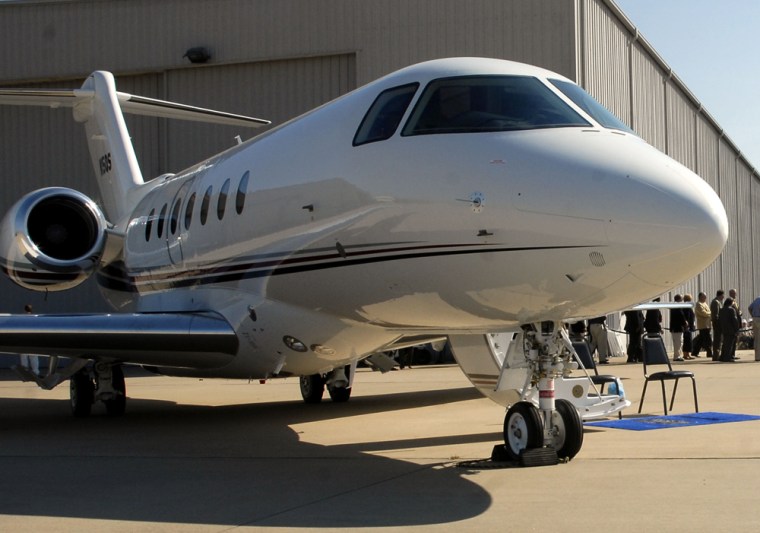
523, 429
117, 406
568, 428
312, 388
81, 394
339, 394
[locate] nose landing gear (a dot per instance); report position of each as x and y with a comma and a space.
554, 429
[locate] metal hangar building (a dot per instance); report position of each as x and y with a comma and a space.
276, 59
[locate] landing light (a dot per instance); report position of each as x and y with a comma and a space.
294, 344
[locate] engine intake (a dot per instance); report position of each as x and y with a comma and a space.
52, 239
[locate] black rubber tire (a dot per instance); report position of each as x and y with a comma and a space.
81, 394
339, 394
312, 388
117, 406
523, 429
568, 427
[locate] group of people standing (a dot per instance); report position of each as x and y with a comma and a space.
597, 336
717, 326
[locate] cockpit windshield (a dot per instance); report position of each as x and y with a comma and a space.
586, 102
474, 104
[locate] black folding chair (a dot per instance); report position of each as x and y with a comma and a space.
653, 352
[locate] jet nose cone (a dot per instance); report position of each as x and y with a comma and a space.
707, 214
682, 219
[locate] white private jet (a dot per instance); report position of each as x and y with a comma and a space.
453, 199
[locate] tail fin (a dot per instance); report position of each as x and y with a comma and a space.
111, 151
100, 107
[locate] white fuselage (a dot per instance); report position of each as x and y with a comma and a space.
348, 248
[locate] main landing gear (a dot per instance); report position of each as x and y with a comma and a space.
338, 383
554, 429
104, 382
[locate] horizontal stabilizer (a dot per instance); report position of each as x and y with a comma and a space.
137, 105
140, 105
189, 340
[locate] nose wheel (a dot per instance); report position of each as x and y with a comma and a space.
523, 429
567, 430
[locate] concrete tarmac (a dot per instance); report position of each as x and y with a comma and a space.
216, 455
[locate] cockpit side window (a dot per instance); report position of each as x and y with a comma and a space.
385, 114
473, 104
586, 102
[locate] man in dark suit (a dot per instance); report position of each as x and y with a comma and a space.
715, 307
653, 320
729, 325
634, 326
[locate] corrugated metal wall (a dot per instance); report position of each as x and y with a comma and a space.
681, 126
707, 167
78, 36
648, 114
727, 192
148, 36
744, 241
668, 116
609, 46
755, 214
396, 33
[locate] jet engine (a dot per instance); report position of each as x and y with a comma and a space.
52, 239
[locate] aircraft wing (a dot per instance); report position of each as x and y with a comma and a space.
663, 305
138, 105
190, 340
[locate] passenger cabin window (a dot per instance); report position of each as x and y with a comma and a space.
204, 206
586, 102
161, 220
474, 104
221, 202
241, 192
385, 114
149, 225
189, 211
174, 219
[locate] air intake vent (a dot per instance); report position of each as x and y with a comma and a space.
597, 259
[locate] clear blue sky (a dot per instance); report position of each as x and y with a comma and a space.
714, 47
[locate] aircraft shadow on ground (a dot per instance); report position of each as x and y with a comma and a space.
229, 465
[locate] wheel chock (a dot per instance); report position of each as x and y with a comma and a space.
539, 457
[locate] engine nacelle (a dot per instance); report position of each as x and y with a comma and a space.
52, 239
